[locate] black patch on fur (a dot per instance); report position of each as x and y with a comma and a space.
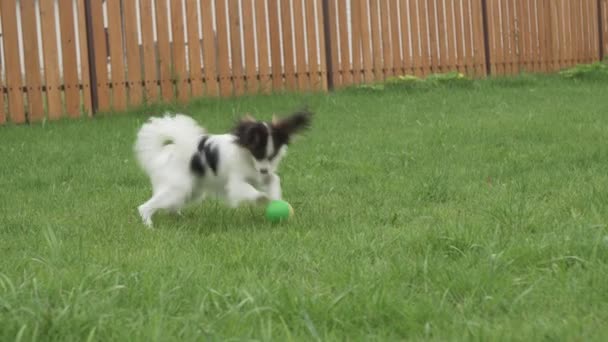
252, 136
211, 157
196, 165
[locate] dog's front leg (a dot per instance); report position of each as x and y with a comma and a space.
240, 191
272, 186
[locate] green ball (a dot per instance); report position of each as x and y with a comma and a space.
278, 211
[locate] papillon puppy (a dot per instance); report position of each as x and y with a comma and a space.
186, 164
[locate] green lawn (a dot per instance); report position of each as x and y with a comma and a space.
462, 212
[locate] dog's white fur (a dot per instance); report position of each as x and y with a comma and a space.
164, 148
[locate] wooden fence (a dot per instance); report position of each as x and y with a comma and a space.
75, 57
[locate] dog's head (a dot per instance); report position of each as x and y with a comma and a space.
267, 141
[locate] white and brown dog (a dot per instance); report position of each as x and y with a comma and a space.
185, 164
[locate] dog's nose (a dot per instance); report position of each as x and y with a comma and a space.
264, 171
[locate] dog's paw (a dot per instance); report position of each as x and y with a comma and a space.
263, 199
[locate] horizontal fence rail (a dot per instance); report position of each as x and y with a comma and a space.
72, 58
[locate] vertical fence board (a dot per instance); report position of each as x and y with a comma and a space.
249, 32
51, 59
311, 34
101, 57
356, 24
322, 49
302, 78
459, 39
425, 37
164, 49
149, 51
450, 39
33, 84
261, 21
288, 49
119, 96
395, 41
132, 52
70, 72
468, 43
223, 48
180, 72
194, 48
11, 59
406, 48
604, 9
376, 40
345, 67
387, 57
275, 44
333, 38
85, 73
414, 29
235, 47
210, 58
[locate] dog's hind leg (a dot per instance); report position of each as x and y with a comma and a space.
165, 199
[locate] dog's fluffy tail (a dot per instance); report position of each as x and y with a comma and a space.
167, 138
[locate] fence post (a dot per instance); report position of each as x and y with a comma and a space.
600, 27
328, 52
91, 55
486, 33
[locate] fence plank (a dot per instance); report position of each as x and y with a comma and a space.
275, 44
209, 49
288, 52
442, 53
366, 42
505, 37
450, 31
406, 55
14, 83
322, 49
311, 34
594, 31
387, 53
194, 48
468, 42
164, 49
32, 66
523, 35
514, 60
604, 8
433, 37
261, 21
132, 52
356, 25
300, 44
579, 32
51, 59
101, 57
345, 67
85, 74
568, 14
333, 37
425, 36
180, 71
249, 32
70, 72
223, 48
235, 45
395, 39
414, 30
151, 79
119, 95
459, 38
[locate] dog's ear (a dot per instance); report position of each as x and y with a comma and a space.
249, 134
293, 124
248, 118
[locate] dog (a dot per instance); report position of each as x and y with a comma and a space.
186, 164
